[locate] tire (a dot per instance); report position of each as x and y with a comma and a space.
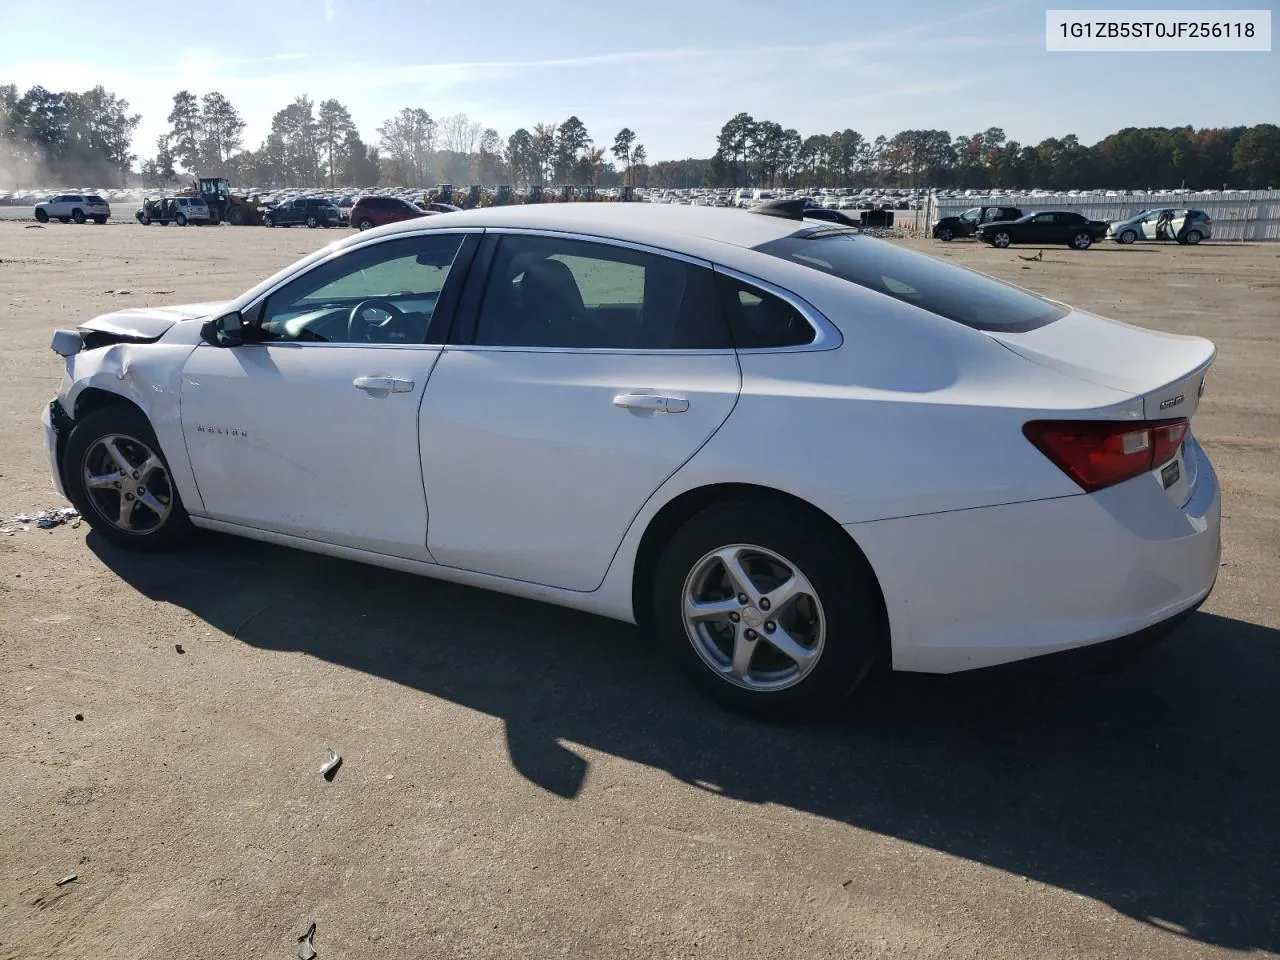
945, 233
214, 219
312, 222
128, 431
180, 219
365, 224
64, 219
42, 216
236, 217
77, 215
1001, 239
846, 624
1081, 241
143, 219
268, 220
1127, 236
1193, 237
100, 221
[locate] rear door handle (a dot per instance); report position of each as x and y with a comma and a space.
382, 384
649, 401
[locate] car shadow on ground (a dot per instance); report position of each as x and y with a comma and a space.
1151, 786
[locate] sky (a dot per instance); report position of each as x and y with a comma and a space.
672, 70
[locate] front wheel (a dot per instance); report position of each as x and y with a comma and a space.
116, 476
1127, 236
268, 221
180, 219
42, 216
236, 217
365, 224
100, 221
1002, 239
312, 222
1081, 241
945, 233
768, 610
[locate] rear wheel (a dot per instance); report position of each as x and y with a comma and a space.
180, 219
143, 219
1081, 241
42, 216
767, 610
268, 220
1001, 239
1193, 237
1127, 236
365, 224
77, 215
945, 233
120, 482
99, 220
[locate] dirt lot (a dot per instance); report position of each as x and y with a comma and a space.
524, 781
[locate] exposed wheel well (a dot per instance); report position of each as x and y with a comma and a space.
89, 401
684, 507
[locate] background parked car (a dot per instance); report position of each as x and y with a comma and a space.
966, 224
1055, 226
74, 206
371, 212
1184, 226
179, 210
313, 211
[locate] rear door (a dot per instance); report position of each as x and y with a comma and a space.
585, 374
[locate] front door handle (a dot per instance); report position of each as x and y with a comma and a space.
649, 401
382, 384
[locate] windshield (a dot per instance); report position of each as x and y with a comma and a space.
965, 296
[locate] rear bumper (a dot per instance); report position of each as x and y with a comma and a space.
977, 588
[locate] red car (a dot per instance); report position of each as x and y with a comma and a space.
370, 212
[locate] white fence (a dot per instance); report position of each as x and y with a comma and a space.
1251, 216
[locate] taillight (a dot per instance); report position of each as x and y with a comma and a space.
1208, 221
1099, 453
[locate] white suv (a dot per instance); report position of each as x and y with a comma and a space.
79, 207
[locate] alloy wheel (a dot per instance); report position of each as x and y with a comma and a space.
753, 617
127, 484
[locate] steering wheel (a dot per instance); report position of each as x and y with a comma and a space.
359, 328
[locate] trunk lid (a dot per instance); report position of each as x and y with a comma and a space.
1165, 370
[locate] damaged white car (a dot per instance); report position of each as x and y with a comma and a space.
791, 451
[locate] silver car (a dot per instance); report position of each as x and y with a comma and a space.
1183, 226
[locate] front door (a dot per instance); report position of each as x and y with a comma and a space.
590, 374
314, 432
1043, 228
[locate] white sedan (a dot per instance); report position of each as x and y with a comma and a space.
788, 450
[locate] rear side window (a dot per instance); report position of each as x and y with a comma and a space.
965, 296
760, 319
553, 292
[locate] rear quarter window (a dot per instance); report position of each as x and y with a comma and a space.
963, 296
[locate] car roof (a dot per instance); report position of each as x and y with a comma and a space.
694, 231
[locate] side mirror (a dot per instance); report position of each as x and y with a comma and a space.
224, 331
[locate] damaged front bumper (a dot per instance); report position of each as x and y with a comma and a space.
56, 427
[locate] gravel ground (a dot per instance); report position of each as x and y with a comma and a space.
526, 781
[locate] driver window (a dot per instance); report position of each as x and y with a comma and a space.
330, 302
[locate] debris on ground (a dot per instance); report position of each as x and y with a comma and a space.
178, 647
65, 880
330, 768
79, 716
306, 950
34, 226
43, 519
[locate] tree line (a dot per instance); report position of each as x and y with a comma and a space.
69, 137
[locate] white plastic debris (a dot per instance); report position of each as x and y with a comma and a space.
44, 519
